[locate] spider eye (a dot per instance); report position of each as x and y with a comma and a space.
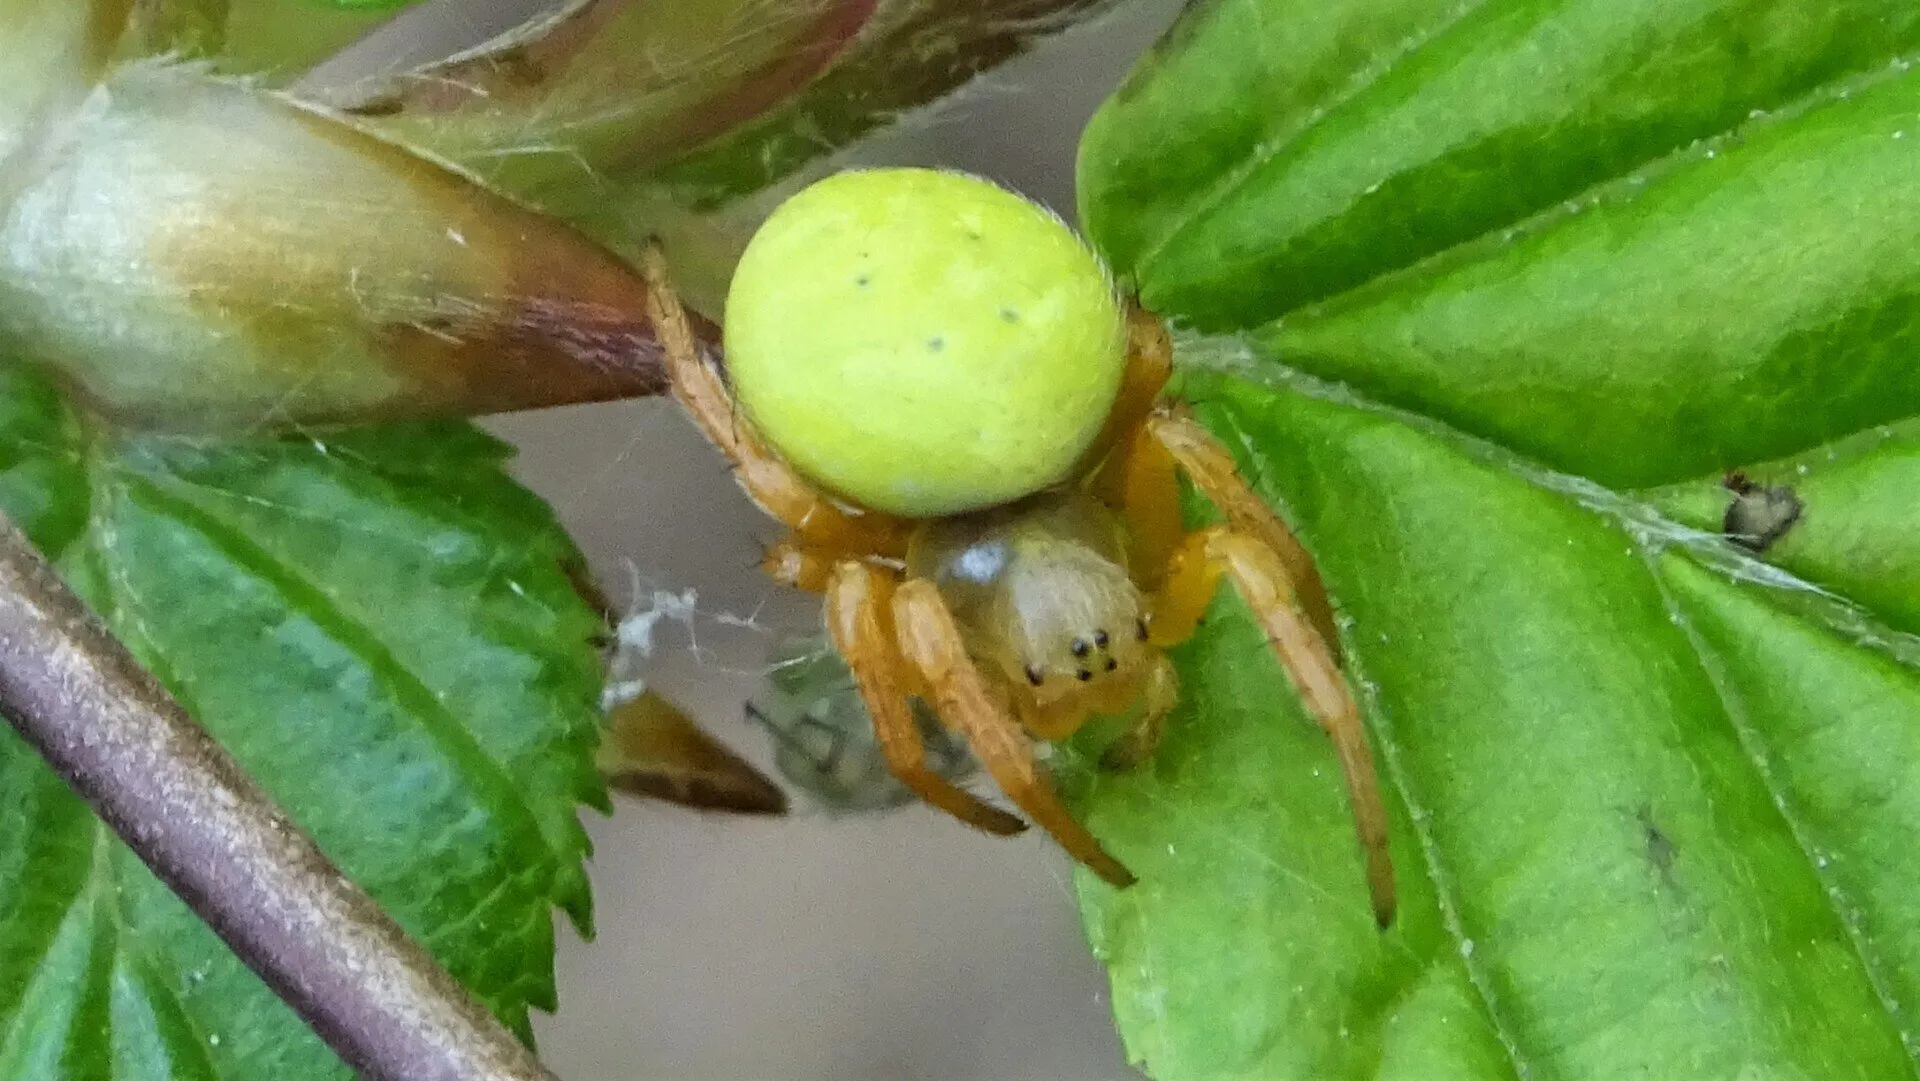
1080, 647
1100, 639
1034, 675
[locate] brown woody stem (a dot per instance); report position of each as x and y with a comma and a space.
212, 835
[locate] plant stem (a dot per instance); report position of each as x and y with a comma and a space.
211, 834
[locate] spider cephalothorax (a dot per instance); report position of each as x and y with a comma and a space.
1040, 589
1003, 543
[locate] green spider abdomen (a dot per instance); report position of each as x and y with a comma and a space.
922, 342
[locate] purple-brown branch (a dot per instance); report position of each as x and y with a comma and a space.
212, 835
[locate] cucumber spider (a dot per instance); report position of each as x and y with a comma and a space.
979, 473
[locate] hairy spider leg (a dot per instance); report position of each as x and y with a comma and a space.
860, 620
1131, 473
930, 641
1212, 470
772, 483
1142, 482
1149, 366
792, 563
1262, 579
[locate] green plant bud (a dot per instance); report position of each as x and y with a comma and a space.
194, 254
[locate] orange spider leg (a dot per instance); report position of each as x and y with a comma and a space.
930, 641
792, 563
1186, 589
1262, 578
773, 484
1149, 366
1213, 471
859, 619
1136, 475
1142, 482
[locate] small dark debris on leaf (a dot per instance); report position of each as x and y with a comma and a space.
1661, 851
1759, 514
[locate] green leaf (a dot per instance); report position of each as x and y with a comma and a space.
1581, 335
1602, 874
1518, 286
1596, 319
1619, 333
1271, 154
1854, 533
385, 631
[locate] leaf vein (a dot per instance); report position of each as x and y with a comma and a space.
1382, 730
85, 892
1267, 149
1751, 744
494, 784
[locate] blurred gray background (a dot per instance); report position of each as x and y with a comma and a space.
898, 946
